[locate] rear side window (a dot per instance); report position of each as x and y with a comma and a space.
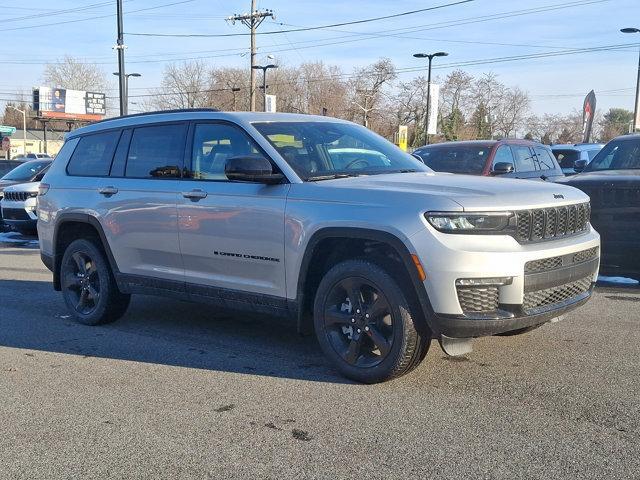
544, 158
156, 151
566, 158
503, 155
524, 159
92, 157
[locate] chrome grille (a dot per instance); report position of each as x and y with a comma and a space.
478, 299
16, 196
548, 223
551, 296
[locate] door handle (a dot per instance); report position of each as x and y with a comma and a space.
107, 191
195, 195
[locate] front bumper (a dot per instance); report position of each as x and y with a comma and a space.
507, 318
528, 298
20, 215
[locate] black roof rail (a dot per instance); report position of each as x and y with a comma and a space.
160, 112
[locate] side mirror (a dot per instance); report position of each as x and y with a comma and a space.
579, 165
251, 168
501, 168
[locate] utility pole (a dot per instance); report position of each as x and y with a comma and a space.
121, 73
252, 21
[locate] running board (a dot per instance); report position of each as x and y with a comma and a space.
455, 347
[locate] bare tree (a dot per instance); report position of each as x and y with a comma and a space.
511, 111
365, 88
184, 85
73, 74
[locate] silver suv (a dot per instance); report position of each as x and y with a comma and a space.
314, 218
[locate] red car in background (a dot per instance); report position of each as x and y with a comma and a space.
506, 158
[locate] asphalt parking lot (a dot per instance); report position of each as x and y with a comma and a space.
175, 390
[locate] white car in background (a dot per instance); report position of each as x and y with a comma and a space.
19, 207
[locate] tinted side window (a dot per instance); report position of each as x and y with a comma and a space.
524, 159
213, 144
503, 154
93, 155
592, 153
156, 151
544, 159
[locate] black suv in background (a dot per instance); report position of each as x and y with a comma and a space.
612, 180
510, 158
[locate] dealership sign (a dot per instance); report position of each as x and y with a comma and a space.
60, 103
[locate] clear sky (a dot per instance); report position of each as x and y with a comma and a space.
35, 32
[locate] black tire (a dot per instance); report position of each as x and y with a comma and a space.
88, 286
373, 339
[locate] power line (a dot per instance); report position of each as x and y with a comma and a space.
441, 66
384, 33
303, 29
95, 17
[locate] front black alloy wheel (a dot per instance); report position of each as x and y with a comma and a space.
364, 323
358, 322
88, 286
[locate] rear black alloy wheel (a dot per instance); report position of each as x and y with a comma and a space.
88, 285
364, 323
82, 283
358, 322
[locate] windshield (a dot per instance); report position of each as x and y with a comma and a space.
623, 154
26, 171
323, 150
455, 158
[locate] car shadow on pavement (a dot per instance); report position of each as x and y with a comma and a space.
162, 331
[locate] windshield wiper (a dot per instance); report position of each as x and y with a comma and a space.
331, 177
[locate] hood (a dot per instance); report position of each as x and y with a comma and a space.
472, 193
605, 178
23, 187
5, 183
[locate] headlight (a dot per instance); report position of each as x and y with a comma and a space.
33, 194
479, 223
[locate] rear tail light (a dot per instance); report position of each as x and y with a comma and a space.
43, 189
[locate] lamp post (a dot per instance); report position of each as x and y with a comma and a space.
125, 103
264, 69
636, 106
430, 56
24, 128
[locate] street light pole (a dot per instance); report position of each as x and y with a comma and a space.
429, 56
264, 80
125, 104
24, 128
636, 106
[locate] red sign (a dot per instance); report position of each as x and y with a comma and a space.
6, 143
71, 116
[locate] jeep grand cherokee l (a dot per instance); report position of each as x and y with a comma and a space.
248, 210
